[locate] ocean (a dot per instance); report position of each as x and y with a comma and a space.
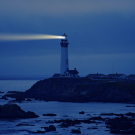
63, 110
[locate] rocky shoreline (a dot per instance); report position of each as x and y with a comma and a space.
113, 123
13, 111
73, 90
79, 90
122, 124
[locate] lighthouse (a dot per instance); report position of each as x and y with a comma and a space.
64, 65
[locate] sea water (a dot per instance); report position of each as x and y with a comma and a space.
64, 110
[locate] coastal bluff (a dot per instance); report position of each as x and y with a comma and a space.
80, 90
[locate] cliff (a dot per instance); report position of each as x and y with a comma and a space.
80, 90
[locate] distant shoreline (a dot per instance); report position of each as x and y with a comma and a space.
24, 77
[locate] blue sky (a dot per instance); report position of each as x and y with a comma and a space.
101, 36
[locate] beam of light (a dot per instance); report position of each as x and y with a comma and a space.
29, 37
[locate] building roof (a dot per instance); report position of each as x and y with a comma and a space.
95, 75
72, 71
115, 75
131, 75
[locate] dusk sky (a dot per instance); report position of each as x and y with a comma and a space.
101, 35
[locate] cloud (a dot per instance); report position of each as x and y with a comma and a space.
64, 7
99, 32
103, 63
28, 65
103, 56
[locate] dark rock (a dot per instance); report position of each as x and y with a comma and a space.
49, 114
28, 99
21, 124
68, 122
31, 115
4, 97
77, 121
76, 131
11, 111
66, 125
121, 125
130, 106
96, 118
39, 131
50, 128
19, 99
130, 114
13, 92
1, 92
110, 114
46, 128
122, 115
94, 128
82, 112
88, 121
106, 130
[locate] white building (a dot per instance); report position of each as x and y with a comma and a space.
117, 76
64, 65
131, 77
71, 73
95, 76
64, 56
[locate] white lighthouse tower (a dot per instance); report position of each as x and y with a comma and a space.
64, 55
